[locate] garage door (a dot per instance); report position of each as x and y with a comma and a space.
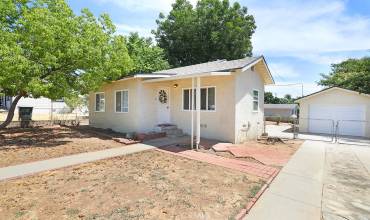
336, 113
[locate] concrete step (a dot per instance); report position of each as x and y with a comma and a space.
170, 130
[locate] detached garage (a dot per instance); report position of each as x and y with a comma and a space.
322, 111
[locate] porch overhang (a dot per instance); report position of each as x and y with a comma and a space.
188, 76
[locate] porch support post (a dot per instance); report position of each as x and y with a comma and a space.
192, 112
198, 112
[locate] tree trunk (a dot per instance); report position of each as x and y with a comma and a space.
10, 115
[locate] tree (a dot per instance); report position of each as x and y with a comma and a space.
47, 50
147, 57
271, 99
212, 30
76, 101
353, 74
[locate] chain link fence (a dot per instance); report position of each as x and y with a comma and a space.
352, 132
302, 128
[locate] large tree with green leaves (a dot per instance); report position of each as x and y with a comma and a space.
46, 50
214, 29
146, 56
271, 99
353, 74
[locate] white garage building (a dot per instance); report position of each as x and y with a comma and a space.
323, 111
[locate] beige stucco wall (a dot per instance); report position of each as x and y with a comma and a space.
122, 122
333, 97
143, 99
217, 124
234, 103
248, 124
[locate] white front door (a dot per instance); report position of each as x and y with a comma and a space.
163, 105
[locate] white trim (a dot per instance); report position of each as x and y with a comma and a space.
192, 113
258, 100
198, 111
151, 75
202, 87
95, 101
128, 100
328, 90
251, 64
136, 76
264, 63
188, 76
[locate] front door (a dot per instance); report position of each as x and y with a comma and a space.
163, 105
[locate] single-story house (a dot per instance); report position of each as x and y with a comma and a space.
322, 111
227, 103
280, 110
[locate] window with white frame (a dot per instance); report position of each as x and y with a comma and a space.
207, 99
99, 102
255, 100
122, 101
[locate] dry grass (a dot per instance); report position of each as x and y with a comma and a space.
146, 185
25, 145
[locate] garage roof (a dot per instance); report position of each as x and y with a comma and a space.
327, 90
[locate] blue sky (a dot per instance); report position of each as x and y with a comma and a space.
300, 39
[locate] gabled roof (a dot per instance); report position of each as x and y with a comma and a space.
213, 66
327, 90
219, 67
280, 106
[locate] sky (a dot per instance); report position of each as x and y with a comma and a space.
300, 39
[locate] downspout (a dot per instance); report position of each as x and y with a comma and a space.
198, 112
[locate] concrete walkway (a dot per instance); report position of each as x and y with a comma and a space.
346, 192
60, 162
296, 193
322, 181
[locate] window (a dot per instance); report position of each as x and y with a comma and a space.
255, 100
122, 101
99, 102
207, 99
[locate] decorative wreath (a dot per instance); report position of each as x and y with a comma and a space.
162, 97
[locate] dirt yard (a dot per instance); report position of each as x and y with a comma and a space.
145, 185
260, 151
25, 145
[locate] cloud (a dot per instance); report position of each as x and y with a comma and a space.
296, 27
125, 29
283, 70
143, 5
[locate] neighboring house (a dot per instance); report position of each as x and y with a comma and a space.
43, 108
5, 102
322, 111
280, 110
230, 99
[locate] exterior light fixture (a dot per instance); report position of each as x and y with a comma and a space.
175, 85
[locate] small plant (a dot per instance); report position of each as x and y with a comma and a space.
72, 212
19, 213
254, 191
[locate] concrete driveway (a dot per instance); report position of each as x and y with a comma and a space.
322, 181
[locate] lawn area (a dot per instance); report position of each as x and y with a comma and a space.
26, 145
145, 185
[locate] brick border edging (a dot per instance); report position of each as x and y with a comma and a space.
244, 212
